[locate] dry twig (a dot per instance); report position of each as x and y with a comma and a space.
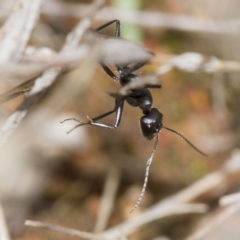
215, 223
108, 198
147, 18
169, 210
109, 54
214, 181
193, 62
48, 77
67, 231
234, 201
229, 199
4, 235
17, 29
190, 62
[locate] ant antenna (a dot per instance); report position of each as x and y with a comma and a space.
184, 138
149, 161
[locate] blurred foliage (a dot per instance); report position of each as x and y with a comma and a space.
73, 194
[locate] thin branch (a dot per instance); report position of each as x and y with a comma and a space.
212, 182
193, 62
48, 77
110, 53
146, 18
190, 62
169, 210
67, 231
234, 201
108, 198
17, 29
34, 70
4, 235
215, 223
229, 199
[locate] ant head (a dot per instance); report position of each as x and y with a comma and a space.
151, 123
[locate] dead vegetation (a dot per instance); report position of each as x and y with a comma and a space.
83, 185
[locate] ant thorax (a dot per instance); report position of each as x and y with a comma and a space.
141, 98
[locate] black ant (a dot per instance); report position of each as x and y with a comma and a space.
150, 123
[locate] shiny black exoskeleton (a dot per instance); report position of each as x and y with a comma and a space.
150, 122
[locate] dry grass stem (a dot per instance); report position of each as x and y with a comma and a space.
147, 18
67, 231
215, 223
229, 199
213, 181
48, 77
4, 235
108, 198
17, 29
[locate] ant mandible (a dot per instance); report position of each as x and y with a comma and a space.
150, 123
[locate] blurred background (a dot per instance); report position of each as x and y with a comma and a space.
50, 176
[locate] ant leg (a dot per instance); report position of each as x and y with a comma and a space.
136, 67
117, 30
133, 68
153, 85
118, 109
108, 71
